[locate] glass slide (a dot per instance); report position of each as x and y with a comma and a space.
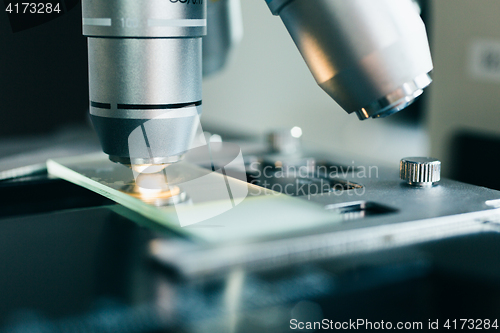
205, 205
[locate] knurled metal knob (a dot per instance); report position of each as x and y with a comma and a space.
420, 171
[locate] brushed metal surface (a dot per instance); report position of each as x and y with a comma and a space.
153, 18
145, 66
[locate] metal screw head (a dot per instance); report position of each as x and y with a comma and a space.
420, 171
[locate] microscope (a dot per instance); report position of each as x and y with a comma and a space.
183, 250
146, 63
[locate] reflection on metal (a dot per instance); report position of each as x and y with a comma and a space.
148, 168
396, 100
140, 162
360, 209
153, 189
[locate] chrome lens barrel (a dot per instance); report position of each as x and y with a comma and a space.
145, 70
371, 56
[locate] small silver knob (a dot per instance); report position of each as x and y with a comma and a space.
420, 171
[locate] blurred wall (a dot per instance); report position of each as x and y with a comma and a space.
465, 95
268, 85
